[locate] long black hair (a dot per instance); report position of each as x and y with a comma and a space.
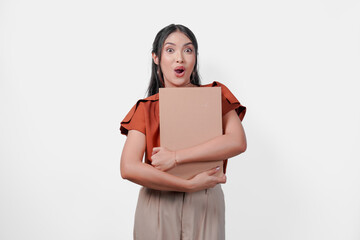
156, 79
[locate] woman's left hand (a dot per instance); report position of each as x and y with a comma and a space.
163, 159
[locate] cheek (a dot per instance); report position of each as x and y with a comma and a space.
165, 62
191, 62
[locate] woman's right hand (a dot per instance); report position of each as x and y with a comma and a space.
206, 180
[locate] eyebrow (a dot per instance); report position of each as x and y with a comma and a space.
170, 43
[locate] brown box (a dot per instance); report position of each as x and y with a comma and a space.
190, 116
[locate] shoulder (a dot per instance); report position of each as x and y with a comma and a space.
144, 102
229, 101
224, 90
136, 117
141, 106
216, 84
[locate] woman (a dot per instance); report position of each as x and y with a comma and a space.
170, 207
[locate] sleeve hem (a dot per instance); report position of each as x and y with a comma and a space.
126, 126
234, 104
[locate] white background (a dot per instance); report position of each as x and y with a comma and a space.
71, 70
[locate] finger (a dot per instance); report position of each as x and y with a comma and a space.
153, 160
213, 170
222, 179
155, 164
155, 150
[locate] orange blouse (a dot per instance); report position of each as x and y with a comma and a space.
144, 117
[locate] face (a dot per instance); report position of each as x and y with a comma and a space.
177, 60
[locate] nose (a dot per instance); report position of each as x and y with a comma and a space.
179, 58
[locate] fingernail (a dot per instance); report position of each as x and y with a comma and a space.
217, 168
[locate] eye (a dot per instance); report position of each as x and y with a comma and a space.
188, 50
170, 50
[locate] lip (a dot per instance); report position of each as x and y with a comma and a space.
179, 74
180, 68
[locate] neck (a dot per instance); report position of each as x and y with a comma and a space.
189, 84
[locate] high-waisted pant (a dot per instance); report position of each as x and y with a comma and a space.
164, 215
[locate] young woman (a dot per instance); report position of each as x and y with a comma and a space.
170, 207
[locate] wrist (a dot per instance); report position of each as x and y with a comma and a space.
179, 157
189, 185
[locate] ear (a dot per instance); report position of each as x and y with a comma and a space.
155, 58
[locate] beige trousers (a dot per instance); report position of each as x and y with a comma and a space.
163, 215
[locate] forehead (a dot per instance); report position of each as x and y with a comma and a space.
177, 38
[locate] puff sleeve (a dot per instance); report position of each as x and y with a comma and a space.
134, 120
230, 102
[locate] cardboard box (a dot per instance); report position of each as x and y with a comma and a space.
190, 116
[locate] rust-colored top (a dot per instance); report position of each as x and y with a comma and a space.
144, 117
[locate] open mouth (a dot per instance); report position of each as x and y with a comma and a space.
179, 71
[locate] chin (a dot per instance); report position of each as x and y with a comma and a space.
178, 82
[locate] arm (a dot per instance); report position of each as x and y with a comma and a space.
232, 143
133, 169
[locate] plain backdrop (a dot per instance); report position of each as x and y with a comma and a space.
71, 70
